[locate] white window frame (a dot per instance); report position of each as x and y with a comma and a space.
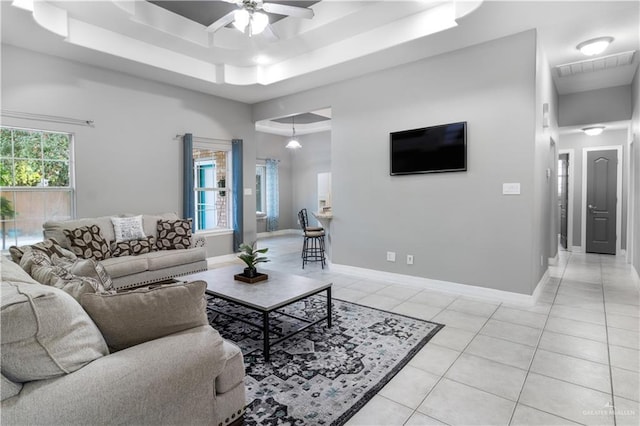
71, 189
213, 146
263, 189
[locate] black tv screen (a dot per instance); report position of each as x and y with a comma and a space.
430, 150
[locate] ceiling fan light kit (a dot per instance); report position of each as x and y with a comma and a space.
594, 46
251, 15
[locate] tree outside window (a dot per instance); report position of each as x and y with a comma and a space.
35, 182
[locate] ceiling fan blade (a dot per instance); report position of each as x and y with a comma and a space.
221, 23
230, 1
283, 9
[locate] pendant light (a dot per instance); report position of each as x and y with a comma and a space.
293, 142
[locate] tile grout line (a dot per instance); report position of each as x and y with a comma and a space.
454, 361
606, 330
538, 343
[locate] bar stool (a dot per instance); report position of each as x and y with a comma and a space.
313, 245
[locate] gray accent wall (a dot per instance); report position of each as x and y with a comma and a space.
577, 140
130, 161
314, 157
458, 226
273, 146
595, 106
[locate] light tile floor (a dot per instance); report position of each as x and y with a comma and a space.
574, 358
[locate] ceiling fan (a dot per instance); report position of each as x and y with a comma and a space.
250, 16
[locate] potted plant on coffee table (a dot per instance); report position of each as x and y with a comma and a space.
252, 256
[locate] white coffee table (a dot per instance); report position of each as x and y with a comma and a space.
268, 296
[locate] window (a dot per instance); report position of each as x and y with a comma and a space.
261, 188
212, 197
36, 184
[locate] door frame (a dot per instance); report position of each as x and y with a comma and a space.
618, 149
572, 155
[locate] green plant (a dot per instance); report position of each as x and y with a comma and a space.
251, 256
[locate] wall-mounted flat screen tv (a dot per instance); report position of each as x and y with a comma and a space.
433, 149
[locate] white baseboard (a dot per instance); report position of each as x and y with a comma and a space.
278, 232
446, 286
554, 260
576, 249
637, 277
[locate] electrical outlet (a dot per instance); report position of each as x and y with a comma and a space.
391, 256
409, 259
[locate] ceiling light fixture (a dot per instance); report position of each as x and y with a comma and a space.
593, 130
293, 143
256, 21
594, 46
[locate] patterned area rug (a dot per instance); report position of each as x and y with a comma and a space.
321, 376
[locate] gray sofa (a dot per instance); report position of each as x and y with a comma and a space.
134, 271
189, 377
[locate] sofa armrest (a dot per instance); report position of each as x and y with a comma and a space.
164, 381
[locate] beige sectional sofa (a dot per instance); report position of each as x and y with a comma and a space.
133, 271
57, 368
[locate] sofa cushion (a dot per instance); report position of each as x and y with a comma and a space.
133, 317
150, 222
11, 271
8, 388
174, 234
133, 247
167, 259
45, 333
118, 267
233, 372
55, 229
88, 242
127, 228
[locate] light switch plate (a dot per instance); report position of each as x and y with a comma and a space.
511, 188
248, 191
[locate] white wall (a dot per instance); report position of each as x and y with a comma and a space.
458, 226
595, 106
273, 146
130, 161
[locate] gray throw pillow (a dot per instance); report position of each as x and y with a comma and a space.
137, 316
45, 333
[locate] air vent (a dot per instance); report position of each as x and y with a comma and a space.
597, 64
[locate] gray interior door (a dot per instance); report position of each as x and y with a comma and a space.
563, 197
601, 201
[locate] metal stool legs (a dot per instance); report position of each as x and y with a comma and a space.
313, 248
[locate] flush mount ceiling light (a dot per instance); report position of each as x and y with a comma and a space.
293, 143
594, 46
593, 130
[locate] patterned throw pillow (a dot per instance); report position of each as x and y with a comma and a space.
133, 247
74, 277
128, 228
174, 234
49, 247
88, 242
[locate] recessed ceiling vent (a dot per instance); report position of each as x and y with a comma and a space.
597, 64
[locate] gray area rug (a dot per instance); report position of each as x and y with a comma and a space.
321, 376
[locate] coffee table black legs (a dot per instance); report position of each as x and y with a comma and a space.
265, 336
329, 306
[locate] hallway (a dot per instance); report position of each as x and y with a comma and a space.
558, 362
